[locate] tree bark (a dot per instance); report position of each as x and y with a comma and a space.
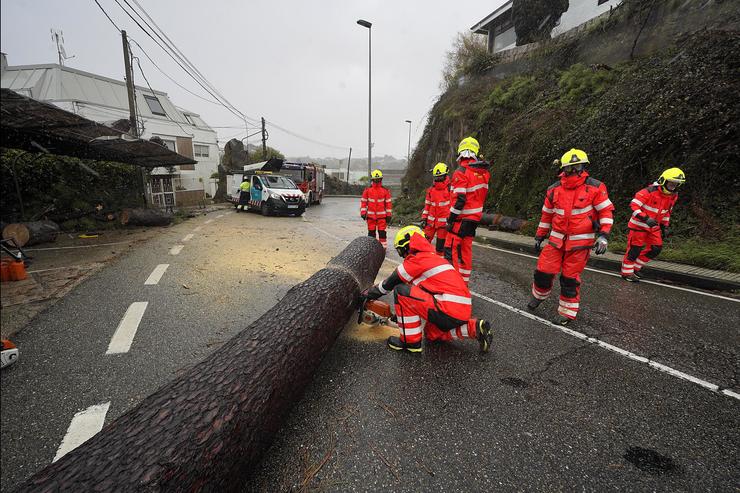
31, 233
144, 217
207, 429
505, 223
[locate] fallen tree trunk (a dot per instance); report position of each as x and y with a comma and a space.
31, 233
144, 217
206, 429
505, 223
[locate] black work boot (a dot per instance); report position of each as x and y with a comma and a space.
397, 344
534, 303
638, 274
561, 320
631, 278
485, 335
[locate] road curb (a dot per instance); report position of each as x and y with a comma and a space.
652, 273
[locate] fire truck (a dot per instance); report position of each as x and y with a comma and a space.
309, 178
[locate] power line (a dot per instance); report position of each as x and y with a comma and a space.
155, 95
307, 139
106, 14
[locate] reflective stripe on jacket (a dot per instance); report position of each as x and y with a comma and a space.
651, 202
437, 203
469, 189
577, 209
376, 202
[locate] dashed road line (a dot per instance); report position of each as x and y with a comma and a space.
208, 221
617, 350
219, 216
124, 335
156, 274
85, 424
188, 237
614, 274
176, 249
77, 246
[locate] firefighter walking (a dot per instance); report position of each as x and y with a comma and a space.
437, 207
577, 215
243, 195
376, 207
469, 190
651, 216
430, 297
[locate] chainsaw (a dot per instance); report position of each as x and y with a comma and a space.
374, 312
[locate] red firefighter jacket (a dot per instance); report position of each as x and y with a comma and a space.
376, 202
424, 268
651, 202
469, 190
577, 208
437, 204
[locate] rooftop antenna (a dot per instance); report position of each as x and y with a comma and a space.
58, 38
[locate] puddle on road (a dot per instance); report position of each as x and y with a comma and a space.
366, 333
650, 461
517, 383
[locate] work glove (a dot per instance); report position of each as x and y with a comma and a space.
423, 223
364, 217
600, 245
665, 231
651, 222
374, 293
538, 243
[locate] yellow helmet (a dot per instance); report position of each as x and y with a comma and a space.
440, 169
376, 174
403, 238
573, 156
468, 144
671, 179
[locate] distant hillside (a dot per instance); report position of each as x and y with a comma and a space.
358, 164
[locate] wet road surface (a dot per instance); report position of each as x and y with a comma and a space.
543, 411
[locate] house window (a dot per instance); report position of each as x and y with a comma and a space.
154, 105
170, 144
601, 1
200, 150
189, 119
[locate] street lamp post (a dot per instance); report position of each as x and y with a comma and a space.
408, 152
369, 25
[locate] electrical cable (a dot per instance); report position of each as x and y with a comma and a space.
308, 139
138, 63
106, 14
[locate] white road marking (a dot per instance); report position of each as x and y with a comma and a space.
124, 335
614, 274
85, 424
209, 221
197, 229
81, 266
188, 237
622, 352
219, 216
176, 249
331, 235
156, 274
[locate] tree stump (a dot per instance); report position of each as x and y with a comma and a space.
31, 233
207, 429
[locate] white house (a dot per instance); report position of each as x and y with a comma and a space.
105, 100
499, 24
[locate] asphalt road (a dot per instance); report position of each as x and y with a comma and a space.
543, 411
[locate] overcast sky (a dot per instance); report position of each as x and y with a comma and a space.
300, 64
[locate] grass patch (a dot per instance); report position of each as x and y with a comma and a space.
720, 255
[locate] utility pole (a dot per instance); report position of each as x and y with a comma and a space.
264, 140
132, 105
130, 86
349, 160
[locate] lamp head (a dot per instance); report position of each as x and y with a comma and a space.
365, 23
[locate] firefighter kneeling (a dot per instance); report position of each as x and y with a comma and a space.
429, 295
576, 212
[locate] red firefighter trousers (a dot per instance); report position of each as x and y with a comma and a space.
441, 232
412, 306
569, 264
642, 247
378, 223
459, 251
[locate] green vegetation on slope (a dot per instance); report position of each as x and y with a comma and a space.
675, 108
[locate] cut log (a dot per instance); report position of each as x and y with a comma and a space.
145, 217
207, 429
31, 233
501, 222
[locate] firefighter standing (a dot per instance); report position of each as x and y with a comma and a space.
576, 212
437, 207
469, 189
243, 194
426, 288
376, 207
651, 216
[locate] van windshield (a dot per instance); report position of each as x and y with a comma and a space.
275, 181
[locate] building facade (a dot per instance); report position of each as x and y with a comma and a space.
105, 100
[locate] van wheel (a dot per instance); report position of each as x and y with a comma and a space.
265, 209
